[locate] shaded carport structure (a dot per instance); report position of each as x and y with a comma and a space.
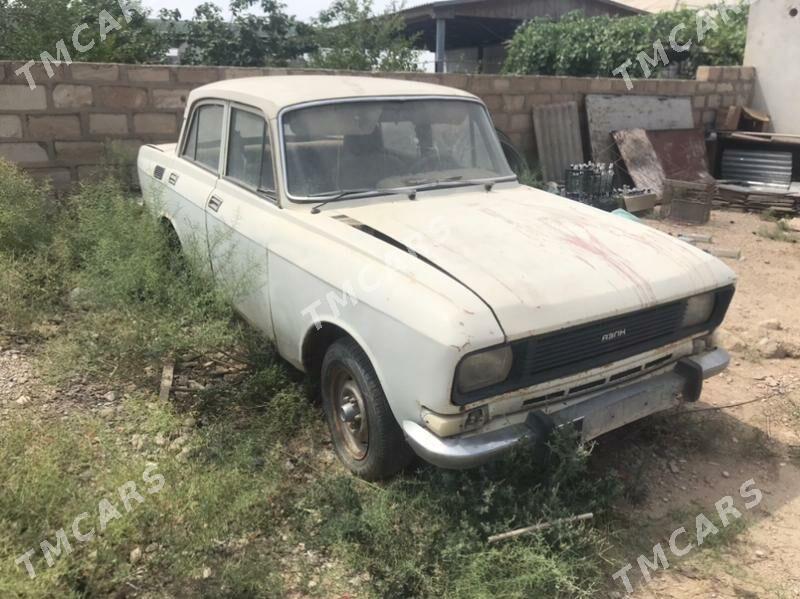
458, 24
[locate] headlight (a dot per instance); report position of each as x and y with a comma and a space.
484, 369
699, 310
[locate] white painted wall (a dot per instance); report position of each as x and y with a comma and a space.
773, 47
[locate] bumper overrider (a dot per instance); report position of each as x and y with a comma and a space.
593, 417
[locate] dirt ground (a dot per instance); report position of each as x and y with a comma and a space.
707, 456
684, 464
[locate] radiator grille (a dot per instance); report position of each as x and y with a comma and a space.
571, 351
552, 355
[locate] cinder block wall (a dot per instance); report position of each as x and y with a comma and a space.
66, 127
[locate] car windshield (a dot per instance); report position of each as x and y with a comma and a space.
389, 144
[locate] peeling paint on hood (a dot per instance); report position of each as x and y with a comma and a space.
543, 262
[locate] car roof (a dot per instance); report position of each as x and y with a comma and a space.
272, 94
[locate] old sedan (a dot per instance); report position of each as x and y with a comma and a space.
373, 229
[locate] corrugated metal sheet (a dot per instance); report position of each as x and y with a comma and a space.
558, 138
757, 166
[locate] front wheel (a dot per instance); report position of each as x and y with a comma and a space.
365, 434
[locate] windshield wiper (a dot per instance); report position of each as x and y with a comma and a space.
427, 183
458, 181
346, 193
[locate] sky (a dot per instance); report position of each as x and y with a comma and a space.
303, 9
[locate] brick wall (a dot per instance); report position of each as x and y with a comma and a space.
88, 114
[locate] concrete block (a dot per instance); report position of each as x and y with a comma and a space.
198, 74
501, 121
600, 86
513, 103
455, 80
95, 72
502, 84
520, 123
23, 152
538, 100
549, 84
575, 85
58, 178
37, 71
10, 126
714, 101
493, 102
108, 124
706, 88
239, 73
724, 88
80, 151
699, 102
72, 96
748, 73
707, 73
170, 98
619, 85
54, 126
731, 73
121, 97
155, 123
149, 74
22, 97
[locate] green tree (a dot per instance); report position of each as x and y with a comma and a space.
248, 40
30, 27
577, 45
351, 36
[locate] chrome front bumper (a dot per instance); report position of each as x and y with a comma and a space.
594, 416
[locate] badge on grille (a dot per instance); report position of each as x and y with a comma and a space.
613, 336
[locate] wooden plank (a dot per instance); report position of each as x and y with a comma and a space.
167, 376
640, 159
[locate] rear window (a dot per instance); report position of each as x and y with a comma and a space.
250, 151
204, 142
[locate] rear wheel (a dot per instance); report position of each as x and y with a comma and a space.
365, 434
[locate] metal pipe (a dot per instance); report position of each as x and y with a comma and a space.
441, 35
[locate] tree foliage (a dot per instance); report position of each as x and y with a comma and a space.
350, 35
30, 27
578, 45
248, 39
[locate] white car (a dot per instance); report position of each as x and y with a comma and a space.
447, 310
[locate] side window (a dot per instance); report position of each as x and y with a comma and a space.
250, 151
204, 142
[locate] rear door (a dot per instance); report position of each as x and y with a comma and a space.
189, 189
241, 213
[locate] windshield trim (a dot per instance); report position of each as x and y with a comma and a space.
284, 169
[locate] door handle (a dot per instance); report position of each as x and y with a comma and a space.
215, 203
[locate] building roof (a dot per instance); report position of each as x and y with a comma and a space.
667, 5
272, 94
455, 4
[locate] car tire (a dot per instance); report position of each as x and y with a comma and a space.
365, 433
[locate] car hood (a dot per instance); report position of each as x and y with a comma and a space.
539, 261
